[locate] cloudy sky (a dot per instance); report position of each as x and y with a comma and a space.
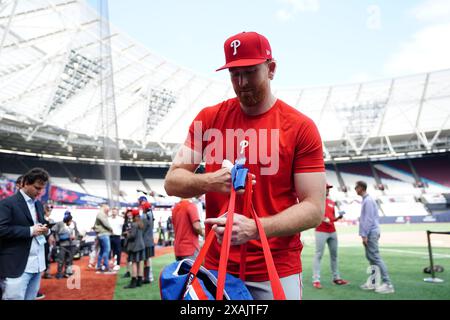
316, 42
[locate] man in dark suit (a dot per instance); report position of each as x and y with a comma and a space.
22, 238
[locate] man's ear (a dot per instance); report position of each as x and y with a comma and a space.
272, 68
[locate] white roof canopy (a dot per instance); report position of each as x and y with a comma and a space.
49, 64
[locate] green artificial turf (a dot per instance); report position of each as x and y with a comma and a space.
405, 265
147, 291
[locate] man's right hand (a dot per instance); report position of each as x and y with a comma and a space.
220, 181
39, 229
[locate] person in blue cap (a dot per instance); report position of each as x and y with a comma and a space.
65, 234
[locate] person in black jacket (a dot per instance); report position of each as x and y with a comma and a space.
125, 230
136, 249
22, 238
148, 221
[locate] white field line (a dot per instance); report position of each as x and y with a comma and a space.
435, 255
382, 248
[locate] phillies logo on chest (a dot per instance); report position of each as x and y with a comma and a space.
235, 44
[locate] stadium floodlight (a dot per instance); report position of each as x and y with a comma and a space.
416, 153
359, 119
78, 72
375, 156
359, 157
160, 103
342, 158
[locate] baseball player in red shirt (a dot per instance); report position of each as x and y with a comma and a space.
282, 149
326, 234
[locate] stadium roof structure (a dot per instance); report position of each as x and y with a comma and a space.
50, 102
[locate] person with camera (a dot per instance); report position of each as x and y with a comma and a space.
64, 236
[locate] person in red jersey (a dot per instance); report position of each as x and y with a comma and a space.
282, 149
326, 234
187, 227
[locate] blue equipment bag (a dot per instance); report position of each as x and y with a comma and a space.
174, 277
189, 280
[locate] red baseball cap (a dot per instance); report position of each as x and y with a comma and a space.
329, 186
246, 49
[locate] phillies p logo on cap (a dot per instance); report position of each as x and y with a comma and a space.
246, 49
235, 44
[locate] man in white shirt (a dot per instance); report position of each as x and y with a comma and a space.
116, 223
22, 239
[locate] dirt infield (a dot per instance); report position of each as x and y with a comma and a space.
86, 284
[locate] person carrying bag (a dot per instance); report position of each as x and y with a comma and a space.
189, 280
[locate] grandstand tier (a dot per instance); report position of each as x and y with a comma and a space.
400, 197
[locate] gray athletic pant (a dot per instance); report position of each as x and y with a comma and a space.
193, 257
373, 255
323, 238
292, 287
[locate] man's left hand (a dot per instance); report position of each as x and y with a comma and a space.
364, 240
40, 229
244, 229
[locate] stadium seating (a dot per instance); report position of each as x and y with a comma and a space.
405, 205
90, 176
353, 172
400, 197
434, 172
66, 184
332, 178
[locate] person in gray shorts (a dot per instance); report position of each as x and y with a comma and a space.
326, 234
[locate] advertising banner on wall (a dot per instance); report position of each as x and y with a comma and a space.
61, 195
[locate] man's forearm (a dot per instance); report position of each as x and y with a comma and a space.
363, 230
295, 219
15, 232
200, 232
185, 184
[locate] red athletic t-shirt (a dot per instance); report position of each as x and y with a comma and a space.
329, 213
184, 214
282, 142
